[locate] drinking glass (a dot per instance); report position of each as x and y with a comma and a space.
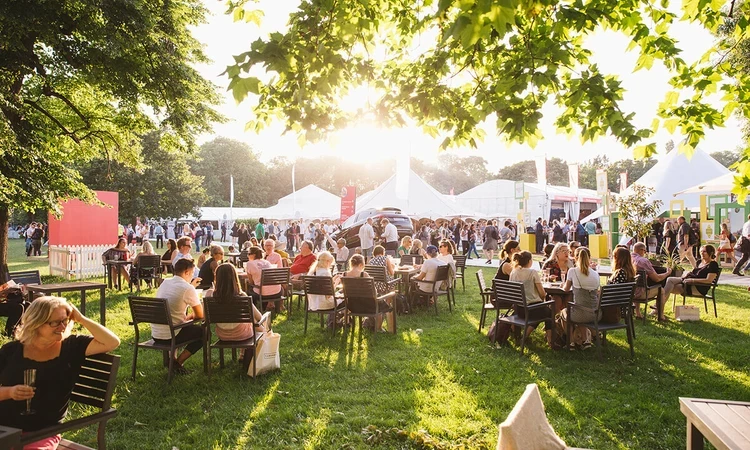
29, 379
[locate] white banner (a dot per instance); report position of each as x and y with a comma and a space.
573, 175
231, 191
541, 170
601, 181
623, 181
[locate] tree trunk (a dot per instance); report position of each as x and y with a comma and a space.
4, 211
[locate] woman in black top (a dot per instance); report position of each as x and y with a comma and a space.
699, 279
623, 271
670, 238
44, 343
506, 267
169, 255
208, 269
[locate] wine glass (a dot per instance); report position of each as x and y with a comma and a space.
29, 379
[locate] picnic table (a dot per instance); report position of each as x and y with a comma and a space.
73, 286
725, 424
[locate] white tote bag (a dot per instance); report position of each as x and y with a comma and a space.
266, 354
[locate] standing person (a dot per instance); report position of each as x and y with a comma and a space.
506, 233
464, 235
590, 228
557, 233
180, 294
159, 233
223, 231
490, 241
566, 230
685, 241
366, 238
390, 234
242, 235
744, 247
472, 236
234, 234
658, 229
36, 239
209, 234
260, 230
198, 233
29, 241
539, 235
669, 240
290, 239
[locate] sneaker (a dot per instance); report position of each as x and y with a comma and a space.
586, 345
179, 369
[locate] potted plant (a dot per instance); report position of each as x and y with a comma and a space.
673, 263
654, 259
637, 213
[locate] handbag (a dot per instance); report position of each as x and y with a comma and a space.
266, 354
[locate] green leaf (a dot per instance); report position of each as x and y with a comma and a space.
671, 124
243, 86
644, 151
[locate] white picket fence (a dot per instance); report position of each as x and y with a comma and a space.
76, 262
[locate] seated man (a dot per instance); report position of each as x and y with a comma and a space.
180, 293
428, 270
640, 262
340, 250
184, 247
303, 261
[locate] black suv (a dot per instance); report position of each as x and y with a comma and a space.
350, 228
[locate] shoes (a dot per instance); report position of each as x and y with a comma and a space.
586, 345
179, 369
489, 261
737, 272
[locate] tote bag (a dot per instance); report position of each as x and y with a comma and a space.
266, 355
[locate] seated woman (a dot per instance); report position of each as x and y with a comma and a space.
227, 289
44, 343
118, 253
532, 283
697, 280
584, 282
510, 248
322, 268
135, 268
405, 247
208, 269
169, 254
623, 271
357, 269
379, 259
204, 256
559, 261
548, 249
254, 267
416, 249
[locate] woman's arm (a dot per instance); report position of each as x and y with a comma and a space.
389, 266
540, 289
104, 340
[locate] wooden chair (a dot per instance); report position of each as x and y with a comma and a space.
711, 293
460, 269
149, 269
274, 277
94, 387
435, 292
320, 285
380, 274
239, 310
611, 295
155, 310
513, 293
641, 282
486, 295
26, 277
360, 296
410, 260
391, 253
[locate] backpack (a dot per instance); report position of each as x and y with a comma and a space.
692, 237
502, 329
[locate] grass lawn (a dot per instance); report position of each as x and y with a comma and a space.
439, 387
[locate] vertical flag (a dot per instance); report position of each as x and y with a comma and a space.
623, 181
541, 170
573, 175
231, 191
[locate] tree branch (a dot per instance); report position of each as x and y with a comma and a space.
65, 131
48, 91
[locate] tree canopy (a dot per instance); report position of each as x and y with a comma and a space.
454, 66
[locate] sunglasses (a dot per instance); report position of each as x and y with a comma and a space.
57, 323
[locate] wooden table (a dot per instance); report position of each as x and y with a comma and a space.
555, 289
725, 424
73, 286
405, 273
234, 257
109, 265
10, 438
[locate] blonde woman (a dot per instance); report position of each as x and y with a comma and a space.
44, 342
416, 249
584, 282
406, 243
321, 268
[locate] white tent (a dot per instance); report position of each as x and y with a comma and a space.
415, 198
495, 196
215, 214
310, 202
675, 172
720, 185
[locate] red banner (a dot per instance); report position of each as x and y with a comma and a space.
348, 202
84, 224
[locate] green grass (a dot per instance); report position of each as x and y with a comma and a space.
439, 387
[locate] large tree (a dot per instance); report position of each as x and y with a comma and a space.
453, 66
81, 79
163, 188
557, 172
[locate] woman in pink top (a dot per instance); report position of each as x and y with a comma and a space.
254, 267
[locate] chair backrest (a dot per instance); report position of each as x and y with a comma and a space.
149, 261
481, 281
460, 261
407, 260
378, 273
509, 291
26, 277
359, 287
238, 310
442, 273
96, 381
318, 285
641, 279
274, 277
149, 310
114, 254
391, 253
617, 294
243, 256
417, 259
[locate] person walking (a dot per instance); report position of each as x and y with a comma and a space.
159, 233
685, 241
744, 248
223, 232
367, 238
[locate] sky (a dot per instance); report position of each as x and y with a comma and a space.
644, 91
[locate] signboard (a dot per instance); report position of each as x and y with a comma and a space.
84, 224
604, 221
601, 181
518, 189
348, 202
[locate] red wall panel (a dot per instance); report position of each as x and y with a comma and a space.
84, 224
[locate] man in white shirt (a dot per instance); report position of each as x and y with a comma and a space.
428, 271
390, 234
367, 238
744, 247
180, 294
29, 232
339, 249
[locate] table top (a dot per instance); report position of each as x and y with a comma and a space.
234, 254
726, 424
69, 285
118, 261
406, 270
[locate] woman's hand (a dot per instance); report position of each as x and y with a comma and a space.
75, 315
21, 392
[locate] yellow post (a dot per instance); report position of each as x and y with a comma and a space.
598, 246
527, 242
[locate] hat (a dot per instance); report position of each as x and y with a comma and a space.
431, 249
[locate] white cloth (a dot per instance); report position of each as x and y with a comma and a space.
316, 302
529, 277
390, 233
448, 259
746, 229
179, 294
527, 427
588, 282
366, 236
429, 268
